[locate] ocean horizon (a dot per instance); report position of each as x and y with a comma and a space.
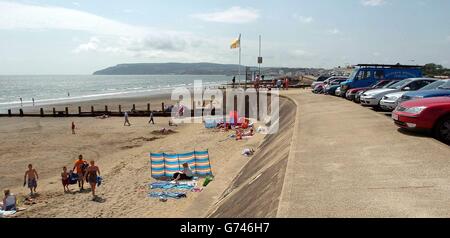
53, 89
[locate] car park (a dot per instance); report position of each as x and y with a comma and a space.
428, 114
373, 97
365, 75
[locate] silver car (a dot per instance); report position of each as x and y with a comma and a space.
390, 101
373, 97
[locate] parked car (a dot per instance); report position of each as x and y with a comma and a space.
358, 95
365, 75
429, 114
439, 88
350, 94
338, 92
373, 97
320, 80
318, 88
333, 85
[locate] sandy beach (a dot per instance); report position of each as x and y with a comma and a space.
122, 154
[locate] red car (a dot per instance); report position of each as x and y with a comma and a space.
429, 114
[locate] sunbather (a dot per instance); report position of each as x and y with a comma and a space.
186, 174
9, 202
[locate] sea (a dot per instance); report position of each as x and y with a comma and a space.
51, 89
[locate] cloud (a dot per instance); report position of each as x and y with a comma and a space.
303, 19
232, 15
92, 45
76, 4
334, 31
107, 36
373, 3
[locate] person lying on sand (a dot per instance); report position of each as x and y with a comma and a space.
248, 133
32, 179
65, 179
186, 174
104, 116
91, 176
248, 152
164, 131
9, 201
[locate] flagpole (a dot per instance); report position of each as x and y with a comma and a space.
240, 44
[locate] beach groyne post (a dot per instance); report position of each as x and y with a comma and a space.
148, 107
21, 112
54, 111
67, 111
9, 112
134, 107
162, 107
120, 109
42, 112
79, 110
193, 108
92, 110
106, 108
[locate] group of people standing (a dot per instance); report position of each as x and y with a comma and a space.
82, 171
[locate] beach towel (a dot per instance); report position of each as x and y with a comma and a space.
167, 185
166, 165
7, 213
166, 195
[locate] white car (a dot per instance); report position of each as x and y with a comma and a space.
373, 97
390, 101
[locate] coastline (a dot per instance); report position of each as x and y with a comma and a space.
121, 153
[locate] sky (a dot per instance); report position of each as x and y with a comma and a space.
82, 36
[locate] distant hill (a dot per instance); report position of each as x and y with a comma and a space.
171, 68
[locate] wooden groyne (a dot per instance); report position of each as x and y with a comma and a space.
94, 112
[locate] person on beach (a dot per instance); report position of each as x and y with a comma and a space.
73, 128
233, 81
65, 179
9, 201
21, 102
127, 121
32, 176
151, 118
91, 175
33, 101
286, 84
248, 152
186, 174
279, 83
79, 168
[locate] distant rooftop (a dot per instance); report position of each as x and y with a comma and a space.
389, 66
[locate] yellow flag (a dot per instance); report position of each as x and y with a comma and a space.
236, 43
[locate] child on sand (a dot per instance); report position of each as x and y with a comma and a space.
32, 179
65, 179
73, 128
127, 121
151, 118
